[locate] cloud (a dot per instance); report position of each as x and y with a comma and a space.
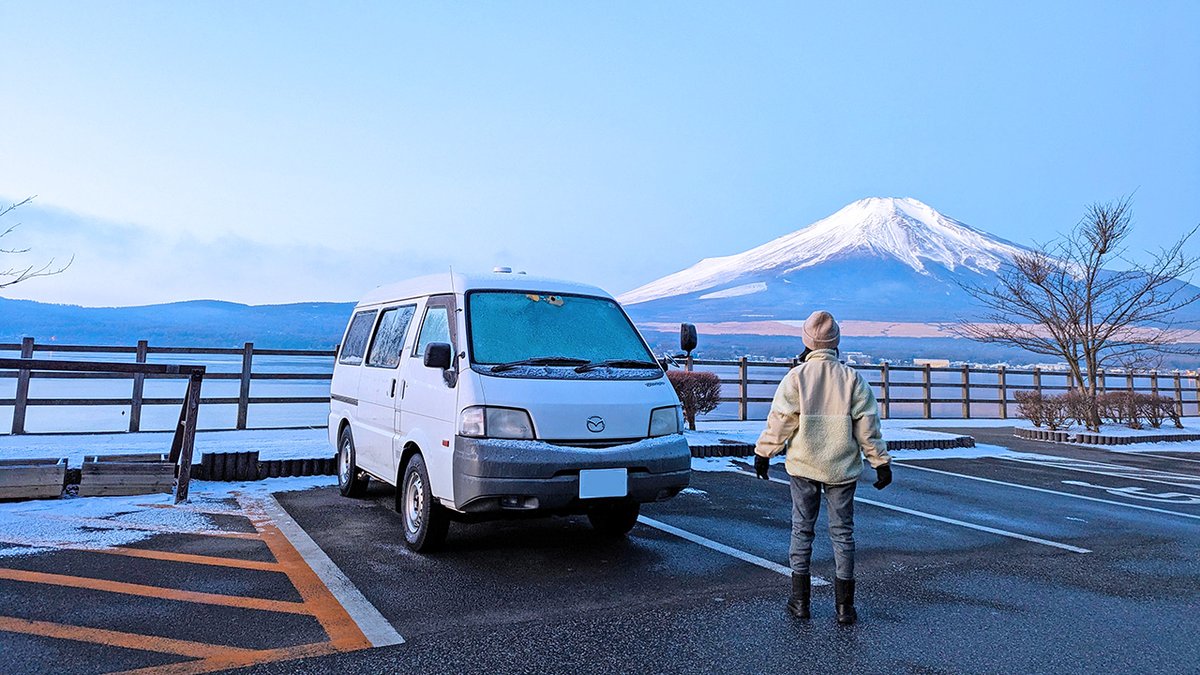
125, 264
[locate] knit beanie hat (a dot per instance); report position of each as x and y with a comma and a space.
821, 331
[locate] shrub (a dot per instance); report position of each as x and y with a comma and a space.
1055, 412
699, 392
1032, 406
1078, 406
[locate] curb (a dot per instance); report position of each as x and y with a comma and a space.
246, 466
1089, 438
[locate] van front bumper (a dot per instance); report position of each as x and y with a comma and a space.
492, 475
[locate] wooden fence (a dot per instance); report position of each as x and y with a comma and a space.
136, 401
962, 387
182, 443
915, 390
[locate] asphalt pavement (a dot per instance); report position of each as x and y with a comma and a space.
1051, 558
956, 574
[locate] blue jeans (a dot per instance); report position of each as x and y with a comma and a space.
806, 503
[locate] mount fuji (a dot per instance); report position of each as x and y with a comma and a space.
877, 260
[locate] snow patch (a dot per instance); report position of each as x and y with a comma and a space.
744, 289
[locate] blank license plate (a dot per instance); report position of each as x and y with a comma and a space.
594, 483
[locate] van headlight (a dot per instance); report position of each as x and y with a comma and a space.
664, 421
480, 421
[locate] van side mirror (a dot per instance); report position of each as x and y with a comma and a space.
687, 337
439, 355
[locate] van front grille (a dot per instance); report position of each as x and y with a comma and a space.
596, 443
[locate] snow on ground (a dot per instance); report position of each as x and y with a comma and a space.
96, 522
713, 433
740, 464
314, 443
271, 444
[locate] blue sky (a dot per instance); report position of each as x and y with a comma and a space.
271, 152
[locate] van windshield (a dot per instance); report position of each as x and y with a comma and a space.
531, 334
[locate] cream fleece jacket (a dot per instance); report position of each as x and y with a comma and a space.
825, 415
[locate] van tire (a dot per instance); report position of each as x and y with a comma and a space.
614, 520
352, 482
424, 520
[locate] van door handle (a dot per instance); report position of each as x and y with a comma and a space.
403, 388
393, 394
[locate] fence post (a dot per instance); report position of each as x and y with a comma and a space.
743, 404
1154, 382
1178, 394
244, 392
1102, 377
886, 390
191, 406
687, 365
139, 387
1129, 380
1037, 380
18, 420
1003, 394
966, 391
927, 381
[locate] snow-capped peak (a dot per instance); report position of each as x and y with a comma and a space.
885, 227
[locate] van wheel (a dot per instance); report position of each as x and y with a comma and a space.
614, 520
352, 482
425, 520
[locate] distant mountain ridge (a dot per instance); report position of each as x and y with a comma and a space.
196, 323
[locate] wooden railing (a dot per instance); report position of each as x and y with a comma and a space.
182, 443
966, 383
136, 400
915, 390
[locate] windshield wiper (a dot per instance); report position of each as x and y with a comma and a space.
539, 361
617, 363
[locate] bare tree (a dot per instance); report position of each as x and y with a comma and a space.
16, 274
1061, 299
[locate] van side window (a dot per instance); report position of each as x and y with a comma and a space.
389, 336
355, 344
435, 328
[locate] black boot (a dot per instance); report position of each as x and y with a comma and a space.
844, 591
801, 588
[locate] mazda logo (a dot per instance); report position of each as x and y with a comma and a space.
595, 424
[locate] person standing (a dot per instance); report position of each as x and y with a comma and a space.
825, 417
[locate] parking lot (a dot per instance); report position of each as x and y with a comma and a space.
1045, 558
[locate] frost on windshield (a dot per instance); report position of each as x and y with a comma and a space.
509, 326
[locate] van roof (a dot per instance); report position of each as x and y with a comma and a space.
459, 282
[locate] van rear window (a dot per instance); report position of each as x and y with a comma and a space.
355, 344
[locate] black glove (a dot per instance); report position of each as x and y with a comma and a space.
883, 476
761, 464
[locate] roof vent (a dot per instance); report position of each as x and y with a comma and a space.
502, 270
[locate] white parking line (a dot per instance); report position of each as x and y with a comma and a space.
954, 521
727, 550
1139, 507
1112, 470
374, 626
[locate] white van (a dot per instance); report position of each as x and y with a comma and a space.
494, 395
